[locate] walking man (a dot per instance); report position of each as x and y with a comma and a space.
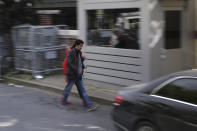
74, 73
69, 46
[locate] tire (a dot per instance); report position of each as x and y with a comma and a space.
145, 126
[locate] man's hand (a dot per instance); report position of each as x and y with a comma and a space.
80, 72
83, 57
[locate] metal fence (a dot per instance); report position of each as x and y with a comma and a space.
34, 36
39, 60
37, 49
4, 50
5, 57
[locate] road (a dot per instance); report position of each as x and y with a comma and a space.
30, 109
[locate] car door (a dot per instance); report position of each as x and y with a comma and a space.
177, 101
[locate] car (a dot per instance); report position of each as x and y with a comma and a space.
168, 103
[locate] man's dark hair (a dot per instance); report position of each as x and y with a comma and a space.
78, 42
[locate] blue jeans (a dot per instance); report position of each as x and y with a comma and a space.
80, 86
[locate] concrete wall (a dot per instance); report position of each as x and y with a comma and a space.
195, 29
188, 37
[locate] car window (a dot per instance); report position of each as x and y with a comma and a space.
184, 89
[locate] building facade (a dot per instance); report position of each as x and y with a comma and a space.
161, 33
56, 12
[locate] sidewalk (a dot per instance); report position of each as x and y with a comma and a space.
97, 91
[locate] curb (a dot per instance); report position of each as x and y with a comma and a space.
52, 89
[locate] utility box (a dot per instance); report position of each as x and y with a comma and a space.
37, 49
150, 38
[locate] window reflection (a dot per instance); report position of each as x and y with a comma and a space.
182, 89
118, 28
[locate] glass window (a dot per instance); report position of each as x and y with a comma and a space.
118, 28
172, 29
182, 89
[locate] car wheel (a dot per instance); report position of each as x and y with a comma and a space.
146, 126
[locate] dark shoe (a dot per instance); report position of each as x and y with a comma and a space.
92, 108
